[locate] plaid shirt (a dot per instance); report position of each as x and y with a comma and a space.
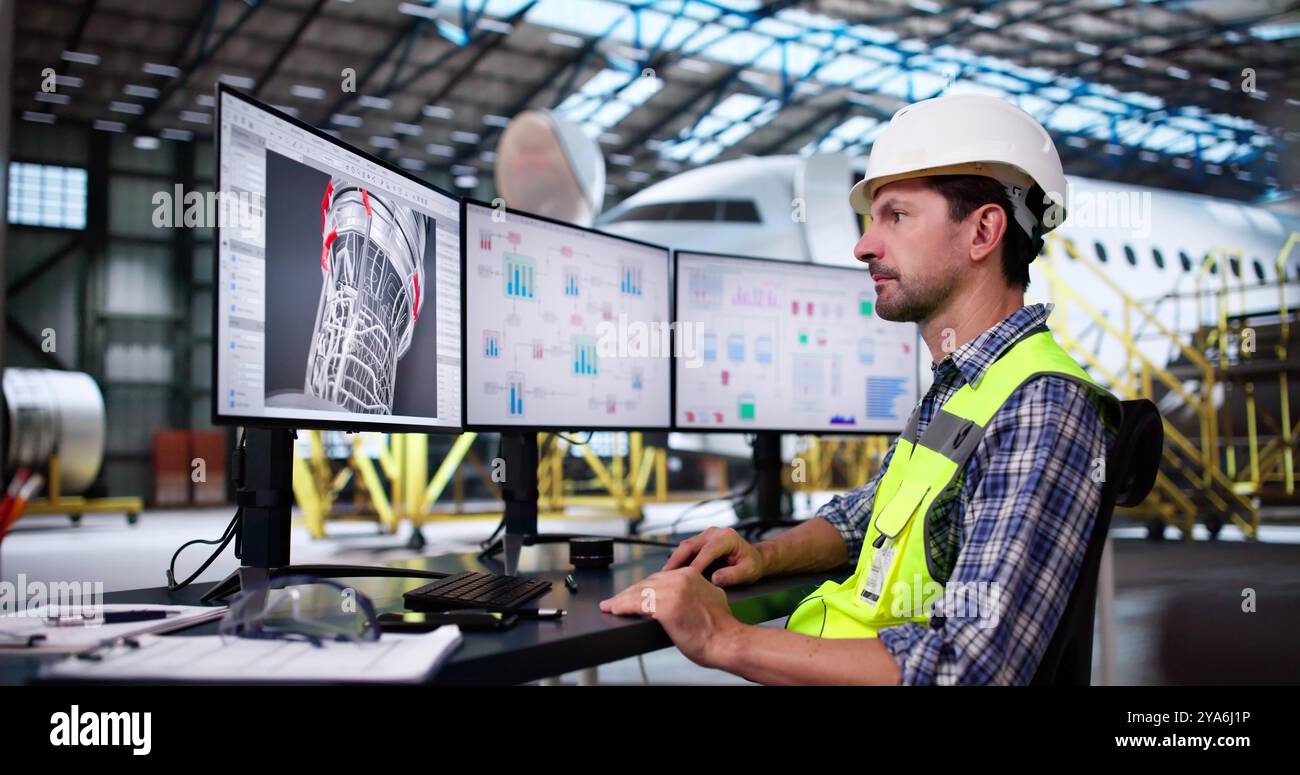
1018, 515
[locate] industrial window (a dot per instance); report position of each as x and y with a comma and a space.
1101, 252
46, 195
1158, 257
1185, 260
1130, 256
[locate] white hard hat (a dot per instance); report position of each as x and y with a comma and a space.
971, 134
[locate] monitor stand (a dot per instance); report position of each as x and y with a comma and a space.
519, 494
769, 506
263, 475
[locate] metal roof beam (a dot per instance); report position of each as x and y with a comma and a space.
188, 69
269, 71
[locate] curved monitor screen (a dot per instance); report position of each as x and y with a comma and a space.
338, 293
784, 346
565, 327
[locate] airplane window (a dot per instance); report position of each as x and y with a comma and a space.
1185, 260
1158, 258
696, 211
1236, 266
1259, 270
654, 212
1130, 256
740, 211
1101, 252
707, 210
1214, 264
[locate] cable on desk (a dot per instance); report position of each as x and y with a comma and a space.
234, 530
733, 497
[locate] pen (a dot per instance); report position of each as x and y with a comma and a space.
109, 617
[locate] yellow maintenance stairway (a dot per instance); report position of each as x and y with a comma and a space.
1225, 387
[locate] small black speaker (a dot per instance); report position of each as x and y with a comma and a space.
591, 552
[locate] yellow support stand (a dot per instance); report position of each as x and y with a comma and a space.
55, 502
309, 497
378, 498
446, 469
403, 461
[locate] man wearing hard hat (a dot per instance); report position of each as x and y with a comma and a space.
970, 539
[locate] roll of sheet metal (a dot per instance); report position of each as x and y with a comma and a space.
49, 411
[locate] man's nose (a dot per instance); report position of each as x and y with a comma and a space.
867, 247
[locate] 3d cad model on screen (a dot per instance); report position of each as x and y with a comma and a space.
372, 262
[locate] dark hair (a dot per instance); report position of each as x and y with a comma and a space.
966, 193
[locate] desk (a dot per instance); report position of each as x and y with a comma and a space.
532, 649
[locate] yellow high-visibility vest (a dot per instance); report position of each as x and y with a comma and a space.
894, 582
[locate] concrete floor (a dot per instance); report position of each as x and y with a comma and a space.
1149, 576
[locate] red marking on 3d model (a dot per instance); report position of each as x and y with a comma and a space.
325, 204
325, 250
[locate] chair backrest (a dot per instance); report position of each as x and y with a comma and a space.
1131, 465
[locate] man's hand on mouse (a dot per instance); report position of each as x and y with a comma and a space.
744, 561
692, 611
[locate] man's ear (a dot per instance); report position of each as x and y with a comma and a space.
988, 225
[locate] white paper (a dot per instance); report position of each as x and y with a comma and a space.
72, 639
394, 658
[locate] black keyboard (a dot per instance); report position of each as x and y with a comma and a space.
475, 590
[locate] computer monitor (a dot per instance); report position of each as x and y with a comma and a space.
788, 347
337, 306
566, 328
338, 283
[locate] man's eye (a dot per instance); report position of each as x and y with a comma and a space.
896, 215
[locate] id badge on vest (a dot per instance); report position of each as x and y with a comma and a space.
881, 559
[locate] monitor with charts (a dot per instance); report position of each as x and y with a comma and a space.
566, 328
788, 347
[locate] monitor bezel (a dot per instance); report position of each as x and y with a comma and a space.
464, 336
677, 253
350, 425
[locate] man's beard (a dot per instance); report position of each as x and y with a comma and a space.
914, 301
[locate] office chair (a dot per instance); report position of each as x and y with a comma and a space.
1131, 466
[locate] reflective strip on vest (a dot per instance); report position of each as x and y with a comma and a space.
918, 473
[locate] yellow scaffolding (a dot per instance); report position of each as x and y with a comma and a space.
1207, 464
406, 492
